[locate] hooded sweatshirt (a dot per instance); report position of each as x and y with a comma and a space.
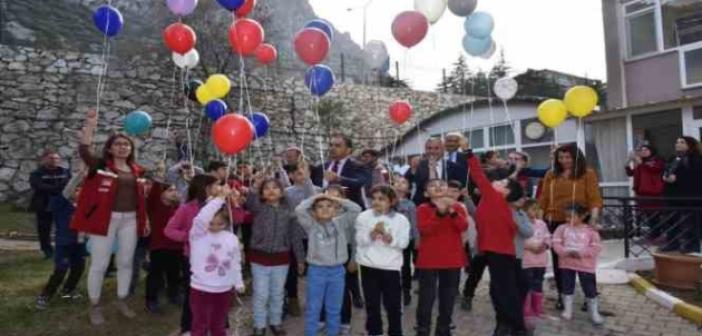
275, 232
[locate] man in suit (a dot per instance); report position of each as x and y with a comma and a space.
433, 165
342, 169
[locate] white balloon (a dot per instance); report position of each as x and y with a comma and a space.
187, 61
462, 7
506, 88
432, 9
490, 52
375, 54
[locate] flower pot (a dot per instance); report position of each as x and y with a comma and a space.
677, 270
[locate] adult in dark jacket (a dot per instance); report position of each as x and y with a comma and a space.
683, 178
342, 169
433, 166
47, 182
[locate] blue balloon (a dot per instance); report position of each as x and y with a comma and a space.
479, 24
216, 109
319, 79
322, 25
231, 5
261, 124
476, 46
108, 20
137, 122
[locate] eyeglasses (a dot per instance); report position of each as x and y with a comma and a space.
121, 144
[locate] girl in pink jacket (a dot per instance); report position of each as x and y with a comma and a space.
578, 245
535, 260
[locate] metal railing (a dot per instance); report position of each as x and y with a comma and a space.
650, 223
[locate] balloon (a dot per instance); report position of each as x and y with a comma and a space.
410, 28
260, 123
479, 24
232, 133
462, 7
400, 111
311, 45
187, 61
216, 109
181, 7
191, 89
581, 100
432, 9
137, 122
180, 38
246, 8
476, 46
231, 5
506, 88
108, 20
552, 112
319, 79
204, 95
219, 85
245, 35
490, 52
266, 54
322, 25
375, 54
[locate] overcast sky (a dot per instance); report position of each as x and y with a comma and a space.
563, 35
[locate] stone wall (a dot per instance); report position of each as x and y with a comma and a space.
44, 96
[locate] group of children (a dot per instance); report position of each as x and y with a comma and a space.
383, 244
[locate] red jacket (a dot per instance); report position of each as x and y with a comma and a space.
493, 217
648, 177
159, 214
441, 244
97, 195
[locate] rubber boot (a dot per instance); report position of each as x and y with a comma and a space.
567, 313
537, 303
528, 311
594, 311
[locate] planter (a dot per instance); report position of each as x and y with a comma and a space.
677, 270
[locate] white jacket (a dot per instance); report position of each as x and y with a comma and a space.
215, 258
377, 254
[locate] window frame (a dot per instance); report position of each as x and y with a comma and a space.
682, 59
657, 23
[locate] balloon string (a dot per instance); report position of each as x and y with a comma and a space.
103, 71
170, 113
492, 115
509, 120
575, 165
188, 122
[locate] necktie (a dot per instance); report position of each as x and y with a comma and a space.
335, 167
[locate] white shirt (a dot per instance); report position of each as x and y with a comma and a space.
439, 169
378, 254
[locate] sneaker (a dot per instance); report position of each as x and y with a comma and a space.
42, 302
95, 315
71, 295
122, 307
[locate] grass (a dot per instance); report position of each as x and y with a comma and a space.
22, 278
13, 222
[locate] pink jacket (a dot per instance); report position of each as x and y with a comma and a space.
541, 236
178, 228
583, 239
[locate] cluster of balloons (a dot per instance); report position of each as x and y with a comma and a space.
400, 111
312, 44
217, 86
579, 100
478, 40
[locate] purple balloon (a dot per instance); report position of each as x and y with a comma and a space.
181, 7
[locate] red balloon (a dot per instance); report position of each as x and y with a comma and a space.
410, 28
180, 38
245, 35
246, 8
232, 133
312, 45
400, 111
266, 54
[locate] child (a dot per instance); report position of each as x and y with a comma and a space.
524, 232
409, 256
215, 263
328, 231
275, 232
441, 223
496, 232
578, 245
69, 255
164, 254
535, 260
381, 235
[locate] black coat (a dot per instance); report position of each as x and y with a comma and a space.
353, 177
451, 171
47, 183
688, 179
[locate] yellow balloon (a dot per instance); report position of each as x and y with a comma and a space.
204, 95
552, 112
219, 85
581, 100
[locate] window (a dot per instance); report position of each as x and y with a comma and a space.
539, 157
476, 138
640, 28
697, 112
682, 22
691, 63
501, 136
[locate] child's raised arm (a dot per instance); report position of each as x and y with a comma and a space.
204, 217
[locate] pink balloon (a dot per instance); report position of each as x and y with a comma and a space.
409, 28
266, 54
312, 45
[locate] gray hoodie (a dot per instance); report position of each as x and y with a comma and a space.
327, 242
524, 232
275, 228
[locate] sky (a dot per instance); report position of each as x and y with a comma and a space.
562, 35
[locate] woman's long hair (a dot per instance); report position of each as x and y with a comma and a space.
693, 146
579, 162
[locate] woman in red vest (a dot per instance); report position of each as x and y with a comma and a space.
111, 209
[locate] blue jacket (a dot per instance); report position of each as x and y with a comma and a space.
62, 210
47, 183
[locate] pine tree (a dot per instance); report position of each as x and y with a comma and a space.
501, 68
457, 80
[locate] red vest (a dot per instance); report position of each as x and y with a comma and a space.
97, 195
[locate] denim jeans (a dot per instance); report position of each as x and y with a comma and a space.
268, 294
325, 287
